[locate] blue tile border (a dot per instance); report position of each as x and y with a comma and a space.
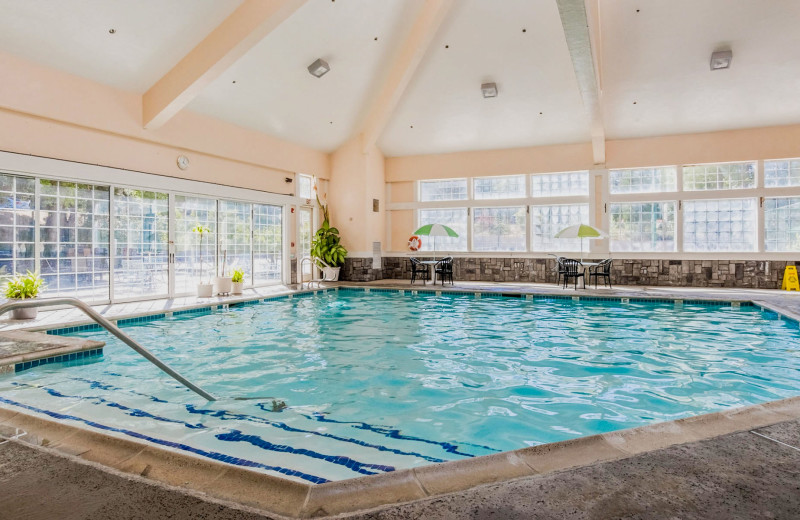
74, 357
199, 310
79, 328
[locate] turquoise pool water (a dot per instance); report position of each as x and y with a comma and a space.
379, 381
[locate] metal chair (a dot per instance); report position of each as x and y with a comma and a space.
573, 269
601, 270
444, 269
419, 269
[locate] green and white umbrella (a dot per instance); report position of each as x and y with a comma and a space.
581, 231
436, 230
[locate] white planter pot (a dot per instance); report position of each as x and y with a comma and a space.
25, 314
205, 290
237, 287
330, 274
222, 285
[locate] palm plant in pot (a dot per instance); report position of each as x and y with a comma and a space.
326, 246
205, 289
22, 288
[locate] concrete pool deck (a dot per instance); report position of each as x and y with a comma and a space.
568, 474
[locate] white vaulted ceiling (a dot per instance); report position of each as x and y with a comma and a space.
651, 52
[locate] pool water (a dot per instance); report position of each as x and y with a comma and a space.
379, 381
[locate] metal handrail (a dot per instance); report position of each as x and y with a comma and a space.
110, 327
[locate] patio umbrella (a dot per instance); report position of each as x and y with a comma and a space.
436, 230
581, 231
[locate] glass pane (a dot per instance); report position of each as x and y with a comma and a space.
235, 230
643, 180
509, 187
268, 243
443, 190
782, 224
195, 254
498, 229
304, 224
560, 184
304, 186
452, 218
642, 226
546, 221
719, 225
779, 174
731, 176
141, 225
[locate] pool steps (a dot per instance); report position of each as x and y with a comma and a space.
21, 350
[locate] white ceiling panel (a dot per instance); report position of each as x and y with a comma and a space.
150, 36
656, 54
481, 42
270, 90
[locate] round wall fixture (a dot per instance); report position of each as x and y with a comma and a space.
183, 162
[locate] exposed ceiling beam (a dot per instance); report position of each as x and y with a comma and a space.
245, 27
582, 31
410, 55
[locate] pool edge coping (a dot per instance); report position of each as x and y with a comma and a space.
300, 500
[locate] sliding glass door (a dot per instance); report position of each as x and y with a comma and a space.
195, 256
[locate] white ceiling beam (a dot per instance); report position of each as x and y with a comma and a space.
250, 23
582, 31
408, 58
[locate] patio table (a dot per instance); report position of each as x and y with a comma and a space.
432, 267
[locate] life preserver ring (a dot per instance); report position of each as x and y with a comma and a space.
414, 243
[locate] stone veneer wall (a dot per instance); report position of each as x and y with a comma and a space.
764, 274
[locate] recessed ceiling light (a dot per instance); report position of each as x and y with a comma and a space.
721, 60
319, 68
489, 90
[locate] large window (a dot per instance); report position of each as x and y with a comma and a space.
643, 180
235, 231
730, 176
17, 205
141, 239
195, 256
453, 218
781, 174
546, 221
499, 229
719, 225
268, 243
782, 224
642, 226
560, 184
455, 189
510, 187
74, 232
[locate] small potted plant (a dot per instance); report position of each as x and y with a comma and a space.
222, 282
205, 289
22, 288
238, 280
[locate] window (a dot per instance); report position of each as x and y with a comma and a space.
453, 218
235, 232
548, 220
74, 231
498, 229
141, 239
731, 176
510, 187
719, 225
780, 174
642, 226
443, 190
268, 243
560, 184
782, 224
304, 186
194, 261
17, 231
643, 180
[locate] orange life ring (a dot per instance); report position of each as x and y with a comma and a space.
414, 243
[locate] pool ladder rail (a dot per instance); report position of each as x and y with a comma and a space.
314, 267
110, 327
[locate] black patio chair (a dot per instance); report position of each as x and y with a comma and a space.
419, 269
573, 269
444, 269
601, 270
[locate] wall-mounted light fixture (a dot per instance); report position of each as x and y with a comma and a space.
319, 68
721, 60
489, 90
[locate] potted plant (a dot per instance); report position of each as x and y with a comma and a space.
222, 282
22, 288
326, 246
238, 280
205, 289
